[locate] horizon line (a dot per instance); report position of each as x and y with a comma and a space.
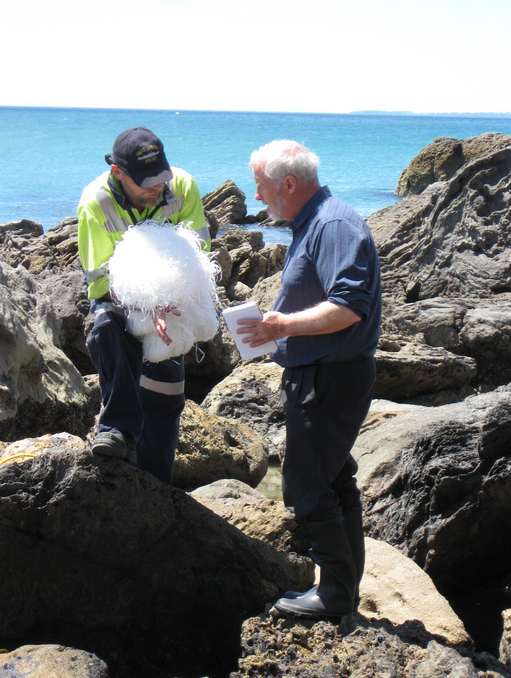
371, 112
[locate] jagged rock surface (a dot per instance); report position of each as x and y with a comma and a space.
211, 447
357, 648
255, 515
51, 661
106, 557
436, 484
227, 203
393, 586
41, 391
505, 643
443, 157
251, 394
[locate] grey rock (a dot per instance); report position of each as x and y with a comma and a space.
238, 291
479, 328
266, 292
222, 257
256, 516
416, 368
227, 203
43, 661
455, 242
357, 647
40, 389
53, 258
251, 394
211, 447
443, 157
435, 483
134, 569
397, 589
23, 228
237, 237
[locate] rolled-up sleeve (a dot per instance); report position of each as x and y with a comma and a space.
342, 256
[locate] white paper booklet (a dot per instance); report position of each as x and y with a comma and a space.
249, 310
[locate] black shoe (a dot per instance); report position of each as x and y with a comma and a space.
313, 606
333, 597
107, 444
297, 594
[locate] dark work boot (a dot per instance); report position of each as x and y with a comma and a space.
353, 522
297, 594
355, 529
333, 597
107, 444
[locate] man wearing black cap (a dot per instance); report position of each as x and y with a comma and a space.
142, 402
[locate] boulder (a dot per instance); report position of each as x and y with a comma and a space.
255, 515
68, 292
40, 389
393, 587
41, 253
251, 394
443, 157
438, 161
137, 572
227, 203
242, 257
435, 483
411, 369
278, 647
238, 291
43, 661
266, 292
23, 228
396, 231
54, 259
211, 447
445, 266
455, 240
478, 328
32, 447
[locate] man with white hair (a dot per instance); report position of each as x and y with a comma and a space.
326, 324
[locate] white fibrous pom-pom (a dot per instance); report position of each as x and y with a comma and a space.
158, 265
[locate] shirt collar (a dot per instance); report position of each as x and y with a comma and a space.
310, 207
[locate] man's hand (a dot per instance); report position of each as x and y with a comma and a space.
158, 316
262, 330
324, 318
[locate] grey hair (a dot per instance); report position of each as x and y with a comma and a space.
284, 157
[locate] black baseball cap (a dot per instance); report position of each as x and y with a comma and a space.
139, 154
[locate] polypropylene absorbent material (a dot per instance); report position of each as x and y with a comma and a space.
159, 265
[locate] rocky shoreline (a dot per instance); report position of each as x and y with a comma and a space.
143, 579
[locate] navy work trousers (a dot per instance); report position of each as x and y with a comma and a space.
142, 401
325, 405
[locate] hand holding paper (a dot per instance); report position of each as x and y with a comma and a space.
248, 311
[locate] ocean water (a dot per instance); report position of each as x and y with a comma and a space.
50, 154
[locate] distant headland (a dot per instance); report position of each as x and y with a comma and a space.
437, 115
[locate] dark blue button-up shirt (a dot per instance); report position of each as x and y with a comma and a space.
332, 258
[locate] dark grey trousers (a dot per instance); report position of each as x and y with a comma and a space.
325, 405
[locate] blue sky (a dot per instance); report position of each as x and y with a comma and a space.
331, 56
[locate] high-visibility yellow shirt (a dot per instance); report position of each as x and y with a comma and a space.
104, 215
